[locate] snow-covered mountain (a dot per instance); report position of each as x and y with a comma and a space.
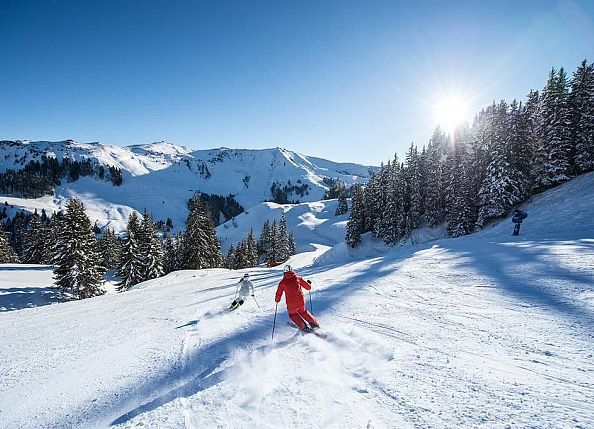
160, 177
487, 330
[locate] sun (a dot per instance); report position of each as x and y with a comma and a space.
451, 112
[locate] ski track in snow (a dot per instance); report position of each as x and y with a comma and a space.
481, 331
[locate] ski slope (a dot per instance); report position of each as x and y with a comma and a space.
487, 330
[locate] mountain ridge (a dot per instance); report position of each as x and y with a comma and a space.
160, 177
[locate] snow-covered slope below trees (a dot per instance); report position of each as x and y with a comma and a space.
161, 177
311, 223
487, 330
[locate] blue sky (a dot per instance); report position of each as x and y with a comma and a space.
347, 81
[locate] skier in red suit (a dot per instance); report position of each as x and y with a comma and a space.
291, 285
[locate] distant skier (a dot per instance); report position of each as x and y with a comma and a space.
518, 217
245, 288
291, 285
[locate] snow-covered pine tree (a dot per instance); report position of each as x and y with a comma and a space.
263, 242
241, 260
531, 119
519, 149
414, 186
555, 122
35, 242
201, 247
272, 251
230, 258
78, 265
342, 204
251, 248
503, 185
151, 249
130, 265
170, 255
478, 149
458, 201
17, 237
356, 220
7, 253
53, 229
375, 195
109, 248
435, 196
581, 102
292, 246
393, 222
284, 247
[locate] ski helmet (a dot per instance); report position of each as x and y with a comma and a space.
288, 268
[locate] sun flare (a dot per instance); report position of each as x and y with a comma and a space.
450, 112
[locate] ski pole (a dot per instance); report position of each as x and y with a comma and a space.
274, 322
256, 301
310, 304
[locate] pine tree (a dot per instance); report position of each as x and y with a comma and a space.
458, 200
7, 253
581, 102
388, 228
282, 239
251, 249
375, 194
555, 118
342, 205
53, 229
78, 270
35, 244
201, 247
503, 185
435, 196
151, 249
240, 261
272, 252
230, 258
356, 221
17, 237
264, 241
170, 255
109, 249
414, 188
292, 246
130, 267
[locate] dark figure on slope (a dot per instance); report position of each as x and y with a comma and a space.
244, 288
291, 285
518, 217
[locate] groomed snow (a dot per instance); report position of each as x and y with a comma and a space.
487, 330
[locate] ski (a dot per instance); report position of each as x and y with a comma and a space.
308, 331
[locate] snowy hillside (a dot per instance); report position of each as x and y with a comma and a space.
161, 177
487, 330
312, 223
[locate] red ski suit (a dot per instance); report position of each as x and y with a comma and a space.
291, 285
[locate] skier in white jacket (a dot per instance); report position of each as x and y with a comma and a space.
245, 288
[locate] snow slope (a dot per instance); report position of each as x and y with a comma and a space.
311, 223
487, 330
161, 177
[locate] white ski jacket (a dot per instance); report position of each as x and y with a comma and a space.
246, 288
